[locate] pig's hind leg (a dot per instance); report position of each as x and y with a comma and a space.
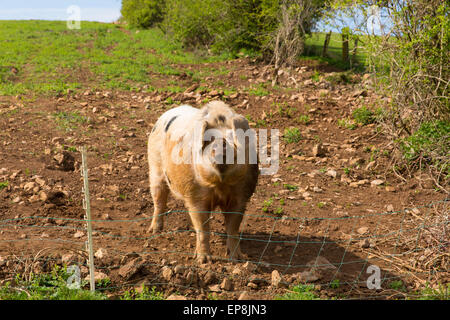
160, 192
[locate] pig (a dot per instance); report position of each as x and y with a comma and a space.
198, 155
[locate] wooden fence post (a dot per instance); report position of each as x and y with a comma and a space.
326, 43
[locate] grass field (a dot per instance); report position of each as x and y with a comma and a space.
314, 47
46, 54
50, 59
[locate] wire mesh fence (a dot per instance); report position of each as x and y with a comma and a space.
373, 255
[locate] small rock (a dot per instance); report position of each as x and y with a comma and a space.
364, 243
98, 276
215, 288
318, 150
377, 182
317, 190
29, 186
16, 200
56, 197
43, 196
331, 173
390, 208
276, 279
178, 269
390, 189
131, 268
226, 284
363, 230
101, 253
65, 161
78, 234
244, 296
166, 273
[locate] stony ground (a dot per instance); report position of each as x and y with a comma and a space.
334, 208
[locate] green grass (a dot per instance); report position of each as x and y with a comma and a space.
314, 47
363, 115
144, 293
299, 292
292, 135
3, 184
51, 58
46, 286
68, 121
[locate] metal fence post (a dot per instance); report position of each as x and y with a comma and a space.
87, 207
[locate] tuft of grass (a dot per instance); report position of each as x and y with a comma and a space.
304, 119
69, 121
3, 185
292, 135
46, 286
363, 115
144, 293
299, 292
347, 124
290, 187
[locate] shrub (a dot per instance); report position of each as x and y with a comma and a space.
143, 13
431, 142
363, 115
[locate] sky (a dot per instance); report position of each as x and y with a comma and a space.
94, 10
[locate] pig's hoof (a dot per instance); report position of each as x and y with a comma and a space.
203, 258
235, 256
155, 228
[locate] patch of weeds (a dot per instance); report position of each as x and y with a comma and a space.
335, 284
284, 110
3, 185
267, 204
103, 283
347, 124
321, 205
304, 119
278, 211
429, 142
290, 187
46, 286
72, 149
316, 76
259, 90
299, 292
339, 78
261, 123
363, 115
292, 135
347, 171
397, 285
144, 293
68, 121
249, 118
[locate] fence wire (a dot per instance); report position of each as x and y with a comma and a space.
404, 246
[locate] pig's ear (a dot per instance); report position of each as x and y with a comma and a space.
240, 122
240, 126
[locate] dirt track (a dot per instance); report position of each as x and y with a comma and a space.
343, 219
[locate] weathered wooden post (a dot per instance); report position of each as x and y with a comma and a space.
326, 44
345, 33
